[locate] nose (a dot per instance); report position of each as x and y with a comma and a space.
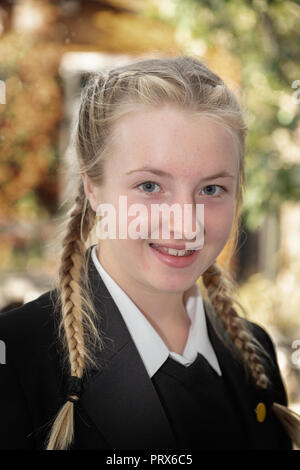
187, 223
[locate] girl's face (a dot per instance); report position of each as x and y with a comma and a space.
190, 161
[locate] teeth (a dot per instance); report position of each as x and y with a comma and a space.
172, 251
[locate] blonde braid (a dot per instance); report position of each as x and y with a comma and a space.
219, 293
73, 252
71, 324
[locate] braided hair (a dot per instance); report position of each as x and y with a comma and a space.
71, 324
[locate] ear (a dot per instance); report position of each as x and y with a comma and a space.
90, 191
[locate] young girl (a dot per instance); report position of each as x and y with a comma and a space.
130, 351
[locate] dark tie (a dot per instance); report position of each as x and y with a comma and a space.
200, 371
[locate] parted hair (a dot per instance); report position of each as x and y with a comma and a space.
188, 84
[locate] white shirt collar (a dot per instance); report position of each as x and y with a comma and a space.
149, 344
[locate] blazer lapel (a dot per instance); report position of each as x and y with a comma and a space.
120, 398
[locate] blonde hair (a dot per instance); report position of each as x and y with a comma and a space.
188, 84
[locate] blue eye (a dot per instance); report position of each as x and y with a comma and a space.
148, 185
211, 190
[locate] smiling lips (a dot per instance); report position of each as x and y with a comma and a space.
172, 257
172, 251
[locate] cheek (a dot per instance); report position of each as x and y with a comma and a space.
133, 254
218, 221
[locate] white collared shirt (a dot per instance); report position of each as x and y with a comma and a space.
148, 342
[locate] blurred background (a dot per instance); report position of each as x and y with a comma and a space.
46, 50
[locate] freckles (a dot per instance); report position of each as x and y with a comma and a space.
218, 223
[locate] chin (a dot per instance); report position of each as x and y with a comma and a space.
172, 286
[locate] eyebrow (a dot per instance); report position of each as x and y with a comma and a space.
155, 171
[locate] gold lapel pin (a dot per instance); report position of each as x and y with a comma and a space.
261, 412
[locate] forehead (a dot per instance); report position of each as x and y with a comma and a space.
174, 140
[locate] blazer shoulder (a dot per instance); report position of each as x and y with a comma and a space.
37, 310
31, 327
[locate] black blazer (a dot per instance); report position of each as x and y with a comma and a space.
119, 407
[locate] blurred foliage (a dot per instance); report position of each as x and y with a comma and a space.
274, 303
29, 125
264, 36
131, 33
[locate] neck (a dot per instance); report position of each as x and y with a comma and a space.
160, 308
